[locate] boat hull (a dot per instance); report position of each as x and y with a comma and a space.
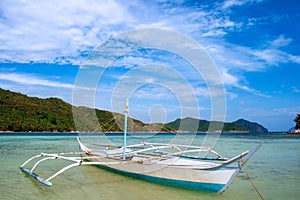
210, 176
217, 180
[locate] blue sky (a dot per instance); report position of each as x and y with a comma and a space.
254, 44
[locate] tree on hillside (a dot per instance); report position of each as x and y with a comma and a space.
297, 120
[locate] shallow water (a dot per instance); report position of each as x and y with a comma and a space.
275, 169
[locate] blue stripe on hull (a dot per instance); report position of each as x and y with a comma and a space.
208, 187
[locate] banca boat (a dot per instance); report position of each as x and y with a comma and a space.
170, 164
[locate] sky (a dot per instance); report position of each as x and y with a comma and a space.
253, 44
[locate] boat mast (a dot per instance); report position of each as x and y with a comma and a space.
125, 130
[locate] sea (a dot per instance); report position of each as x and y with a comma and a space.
274, 168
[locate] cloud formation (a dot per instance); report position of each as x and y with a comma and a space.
26, 79
55, 31
66, 31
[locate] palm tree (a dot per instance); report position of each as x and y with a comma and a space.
297, 120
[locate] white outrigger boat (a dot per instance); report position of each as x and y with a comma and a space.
170, 164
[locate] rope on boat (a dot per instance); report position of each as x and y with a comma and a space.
102, 125
252, 182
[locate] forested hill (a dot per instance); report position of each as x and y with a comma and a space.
252, 126
190, 124
22, 113
19, 112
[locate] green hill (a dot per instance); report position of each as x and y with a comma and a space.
190, 125
22, 113
252, 126
19, 112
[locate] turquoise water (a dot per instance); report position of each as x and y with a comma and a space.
275, 169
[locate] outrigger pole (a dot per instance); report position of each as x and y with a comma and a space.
125, 130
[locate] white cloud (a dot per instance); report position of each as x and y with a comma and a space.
214, 33
236, 57
277, 111
65, 28
27, 79
272, 57
295, 89
61, 31
281, 41
230, 3
228, 78
42, 31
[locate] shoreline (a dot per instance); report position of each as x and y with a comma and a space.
292, 132
119, 133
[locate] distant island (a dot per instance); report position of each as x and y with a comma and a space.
251, 126
189, 124
20, 113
